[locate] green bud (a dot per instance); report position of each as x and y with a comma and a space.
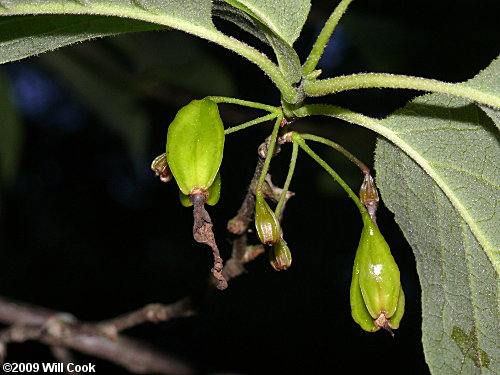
195, 145
280, 256
266, 223
377, 298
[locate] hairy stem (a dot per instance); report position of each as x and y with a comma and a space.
291, 170
340, 149
250, 123
296, 138
289, 93
270, 152
382, 80
323, 37
244, 103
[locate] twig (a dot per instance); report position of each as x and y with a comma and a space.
64, 355
239, 224
154, 312
63, 330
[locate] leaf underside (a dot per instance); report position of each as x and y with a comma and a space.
30, 27
446, 201
284, 17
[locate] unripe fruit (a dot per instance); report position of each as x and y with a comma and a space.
214, 191
213, 194
195, 144
280, 256
377, 298
266, 223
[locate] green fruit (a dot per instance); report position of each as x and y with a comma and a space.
377, 298
280, 256
214, 191
266, 223
185, 201
195, 144
213, 194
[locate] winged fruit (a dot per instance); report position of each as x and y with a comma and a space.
266, 223
377, 298
195, 145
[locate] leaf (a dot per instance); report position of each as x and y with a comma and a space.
288, 60
194, 17
444, 190
285, 18
11, 136
25, 35
488, 81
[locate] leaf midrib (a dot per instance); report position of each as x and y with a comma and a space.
376, 125
427, 167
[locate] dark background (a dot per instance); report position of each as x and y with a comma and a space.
87, 228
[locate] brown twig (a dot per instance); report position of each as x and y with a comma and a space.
63, 330
64, 355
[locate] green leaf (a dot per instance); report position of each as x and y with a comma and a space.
285, 18
488, 81
288, 60
440, 176
24, 36
11, 135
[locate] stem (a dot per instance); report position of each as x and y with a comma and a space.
323, 37
379, 127
204, 31
340, 149
370, 80
291, 169
336, 177
250, 123
245, 103
270, 151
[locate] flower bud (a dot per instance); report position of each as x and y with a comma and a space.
377, 298
160, 167
195, 145
368, 195
266, 223
280, 256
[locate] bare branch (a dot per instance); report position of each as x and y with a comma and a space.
62, 330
